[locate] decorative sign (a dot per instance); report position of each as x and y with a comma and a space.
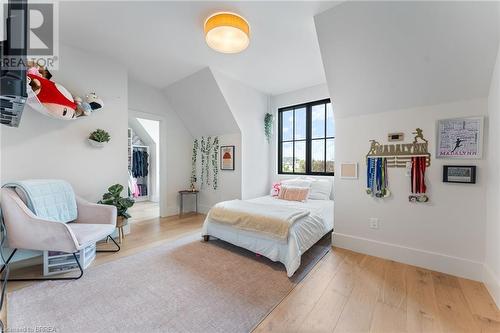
460, 138
399, 154
459, 174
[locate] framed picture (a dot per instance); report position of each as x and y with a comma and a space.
465, 174
460, 138
349, 170
227, 157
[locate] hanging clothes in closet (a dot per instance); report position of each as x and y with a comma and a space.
140, 166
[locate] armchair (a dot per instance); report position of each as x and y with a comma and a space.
27, 231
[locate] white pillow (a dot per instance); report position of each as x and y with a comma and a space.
320, 189
297, 182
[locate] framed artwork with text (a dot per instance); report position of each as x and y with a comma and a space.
460, 138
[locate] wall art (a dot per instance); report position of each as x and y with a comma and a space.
227, 157
460, 138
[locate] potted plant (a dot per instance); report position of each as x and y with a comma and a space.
98, 138
113, 198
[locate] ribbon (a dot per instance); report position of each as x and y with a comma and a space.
376, 177
418, 187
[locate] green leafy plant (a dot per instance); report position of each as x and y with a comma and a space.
113, 198
100, 135
268, 126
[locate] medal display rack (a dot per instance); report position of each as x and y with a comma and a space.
398, 155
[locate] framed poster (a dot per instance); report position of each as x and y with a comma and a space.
227, 157
460, 138
349, 170
465, 174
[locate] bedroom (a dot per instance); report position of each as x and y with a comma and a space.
295, 107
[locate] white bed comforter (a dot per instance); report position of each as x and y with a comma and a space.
304, 233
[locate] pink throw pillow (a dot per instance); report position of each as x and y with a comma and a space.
275, 189
291, 193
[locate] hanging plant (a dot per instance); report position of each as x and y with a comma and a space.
193, 163
268, 126
205, 150
209, 151
202, 149
215, 159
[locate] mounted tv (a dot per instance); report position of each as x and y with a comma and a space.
13, 51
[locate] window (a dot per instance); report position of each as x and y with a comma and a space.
306, 139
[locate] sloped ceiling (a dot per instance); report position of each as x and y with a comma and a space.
381, 56
199, 102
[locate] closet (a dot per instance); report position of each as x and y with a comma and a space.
138, 167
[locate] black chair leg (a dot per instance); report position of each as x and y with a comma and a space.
118, 246
7, 261
42, 279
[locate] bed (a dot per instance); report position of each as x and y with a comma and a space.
302, 234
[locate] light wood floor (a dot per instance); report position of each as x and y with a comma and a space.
144, 210
347, 291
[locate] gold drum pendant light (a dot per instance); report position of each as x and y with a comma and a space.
227, 32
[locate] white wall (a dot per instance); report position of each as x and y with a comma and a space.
43, 147
249, 107
200, 104
175, 142
229, 181
310, 94
492, 255
445, 234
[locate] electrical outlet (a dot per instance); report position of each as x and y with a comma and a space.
373, 222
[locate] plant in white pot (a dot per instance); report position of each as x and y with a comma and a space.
98, 138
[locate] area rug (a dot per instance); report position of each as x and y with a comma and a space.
182, 286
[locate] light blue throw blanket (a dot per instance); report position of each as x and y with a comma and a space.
52, 200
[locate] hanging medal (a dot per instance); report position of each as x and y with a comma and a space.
417, 185
376, 177
370, 176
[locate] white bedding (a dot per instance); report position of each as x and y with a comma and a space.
304, 233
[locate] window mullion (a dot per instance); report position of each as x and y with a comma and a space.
293, 144
308, 138
324, 152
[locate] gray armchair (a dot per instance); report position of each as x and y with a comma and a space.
26, 231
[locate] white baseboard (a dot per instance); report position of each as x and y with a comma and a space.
431, 260
172, 210
492, 283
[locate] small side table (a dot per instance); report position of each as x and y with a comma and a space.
182, 193
120, 223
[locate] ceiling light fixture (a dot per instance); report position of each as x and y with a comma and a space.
227, 32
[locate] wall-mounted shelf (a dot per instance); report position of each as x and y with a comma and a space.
399, 154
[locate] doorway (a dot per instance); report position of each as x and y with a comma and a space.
144, 163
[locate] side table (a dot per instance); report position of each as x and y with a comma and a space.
184, 192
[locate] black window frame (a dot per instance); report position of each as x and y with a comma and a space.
308, 163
